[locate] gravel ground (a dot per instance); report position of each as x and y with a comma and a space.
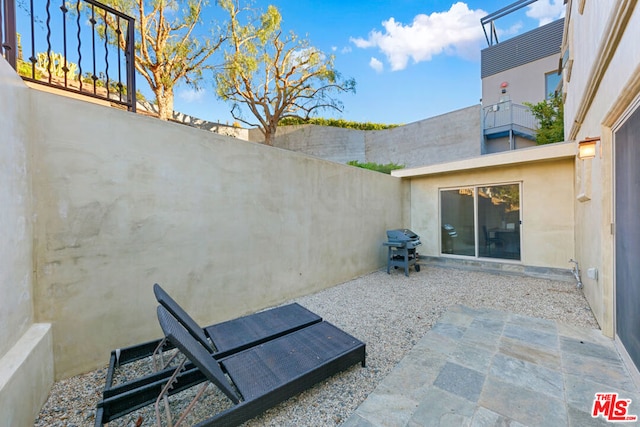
390, 313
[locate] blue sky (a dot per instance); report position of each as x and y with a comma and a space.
411, 59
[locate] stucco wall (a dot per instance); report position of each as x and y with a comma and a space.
227, 226
26, 363
442, 138
546, 207
26, 376
15, 219
327, 142
498, 145
602, 103
447, 137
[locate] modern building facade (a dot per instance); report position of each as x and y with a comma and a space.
518, 70
601, 88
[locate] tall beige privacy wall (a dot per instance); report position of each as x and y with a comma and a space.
26, 368
326, 142
15, 252
444, 138
226, 226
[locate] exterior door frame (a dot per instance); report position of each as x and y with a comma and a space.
474, 188
622, 120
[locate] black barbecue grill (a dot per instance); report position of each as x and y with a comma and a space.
401, 246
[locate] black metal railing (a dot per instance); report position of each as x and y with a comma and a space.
82, 46
8, 31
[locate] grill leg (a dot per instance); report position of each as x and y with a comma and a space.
406, 262
389, 260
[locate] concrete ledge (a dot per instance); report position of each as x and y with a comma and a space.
26, 376
498, 267
539, 153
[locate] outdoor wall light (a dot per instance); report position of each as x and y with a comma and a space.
587, 148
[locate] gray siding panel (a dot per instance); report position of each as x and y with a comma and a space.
528, 47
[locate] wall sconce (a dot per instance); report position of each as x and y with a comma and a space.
587, 148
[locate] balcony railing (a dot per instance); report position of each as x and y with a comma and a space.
508, 116
81, 46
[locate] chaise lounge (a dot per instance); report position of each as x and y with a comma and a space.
262, 376
220, 340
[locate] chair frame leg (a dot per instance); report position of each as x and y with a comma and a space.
164, 396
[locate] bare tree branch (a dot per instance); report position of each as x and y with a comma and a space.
274, 76
167, 52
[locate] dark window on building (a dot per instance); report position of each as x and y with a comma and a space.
552, 84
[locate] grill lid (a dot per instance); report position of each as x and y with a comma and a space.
402, 235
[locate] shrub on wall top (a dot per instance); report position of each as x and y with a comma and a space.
341, 123
376, 167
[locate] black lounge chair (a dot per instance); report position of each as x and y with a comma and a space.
220, 340
238, 334
263, 376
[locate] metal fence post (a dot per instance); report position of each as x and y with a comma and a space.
8, 32
131, 69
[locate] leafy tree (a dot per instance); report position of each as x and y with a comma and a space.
550, 116
274, 75
166, 49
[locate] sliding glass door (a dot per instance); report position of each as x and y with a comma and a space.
499, 221
482, 221
457, 224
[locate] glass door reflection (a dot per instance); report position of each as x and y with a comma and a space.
499, 221
457, 224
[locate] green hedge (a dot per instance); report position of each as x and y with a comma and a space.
376, 167
340, 123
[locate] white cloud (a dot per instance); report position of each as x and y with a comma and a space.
192, 95
376, 65
454, 32
511, 31
546, 11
